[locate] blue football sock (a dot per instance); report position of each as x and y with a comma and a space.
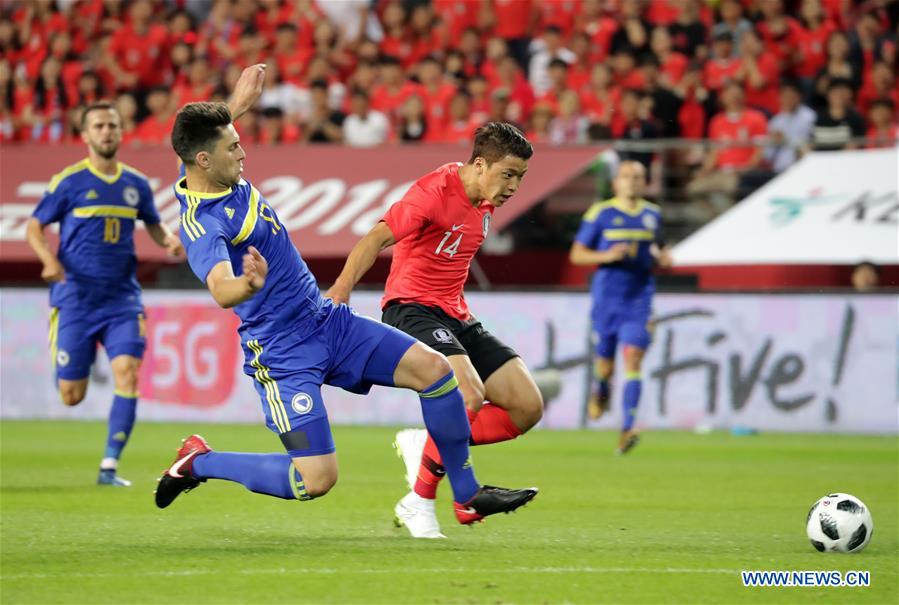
272, 474
447, 422
632, 387
121, 421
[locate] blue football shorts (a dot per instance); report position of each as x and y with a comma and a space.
336, 347
625, 321
75, 333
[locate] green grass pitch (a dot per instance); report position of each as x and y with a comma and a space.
673, 522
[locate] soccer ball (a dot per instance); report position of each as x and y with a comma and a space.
840, 523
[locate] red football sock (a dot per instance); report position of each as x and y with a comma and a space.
491, 424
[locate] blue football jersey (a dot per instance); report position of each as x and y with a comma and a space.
611, 222
97, 215
218, 227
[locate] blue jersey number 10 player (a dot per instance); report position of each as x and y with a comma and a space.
294, 340
94, 295
621, 237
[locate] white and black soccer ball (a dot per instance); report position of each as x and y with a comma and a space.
839, 523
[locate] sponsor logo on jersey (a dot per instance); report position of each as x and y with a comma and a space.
92, 194
618, 221
301, 403
132, 197
229, 212
443, 335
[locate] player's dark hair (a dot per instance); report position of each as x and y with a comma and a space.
96, 106
197, 128
495, 140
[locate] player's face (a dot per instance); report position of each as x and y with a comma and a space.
500, 180
226, 159
103, 132
630, 181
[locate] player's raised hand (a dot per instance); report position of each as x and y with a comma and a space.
617, 252
247, 90
53, 271
255, 268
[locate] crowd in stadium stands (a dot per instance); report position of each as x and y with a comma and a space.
803, 73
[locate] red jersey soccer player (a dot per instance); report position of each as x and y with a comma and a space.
438, 227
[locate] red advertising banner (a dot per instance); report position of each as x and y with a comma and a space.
326, 196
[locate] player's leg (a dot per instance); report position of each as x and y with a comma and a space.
603, 370
635, 338
72, 352
124, 338
294, 409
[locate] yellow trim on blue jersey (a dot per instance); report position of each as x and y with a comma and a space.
273, 395
179, 188
594, 210
192, 226
91, 211
249, 221
628, 234
53, 336
105, 177
65, 173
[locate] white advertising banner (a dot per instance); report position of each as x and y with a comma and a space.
827, 363
830, 208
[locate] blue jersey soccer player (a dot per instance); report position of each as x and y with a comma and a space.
94, 294
295, 340
621, 236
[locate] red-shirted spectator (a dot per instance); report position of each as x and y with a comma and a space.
36, 23
691, 115
521, 97
881, 85
479, 98
624, 70
290, 56
89, 89
579, 68
547, 49
541, 117
864, 39
472, 51
599, 100
461, 122
722, 67
425, 35
126, 107
559, 14
839, 11
718, 178
156, 128
435, 92
72, 65
558, 76
882, 128
662, 12
137, 49
394, 89
598, 26
569, 127
781, 35
457, 16
760, 75
513, 20
274, 129
181, 28
250, 49
199, 86
672, 64
181, 56
395, 42
270, 15
495, 50
816, 29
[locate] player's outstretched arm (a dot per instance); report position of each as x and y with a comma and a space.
662, 255
582, 255
34, 235
247, 90
164, 238
360, 261
229, 290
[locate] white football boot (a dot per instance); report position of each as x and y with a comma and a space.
417, 514
409, 445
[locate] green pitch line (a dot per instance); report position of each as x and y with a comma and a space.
674, 522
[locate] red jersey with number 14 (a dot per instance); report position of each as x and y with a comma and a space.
438, 231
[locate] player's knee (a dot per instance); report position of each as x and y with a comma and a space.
433, 367
126, 380
72, 395
319, 484
530, 410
